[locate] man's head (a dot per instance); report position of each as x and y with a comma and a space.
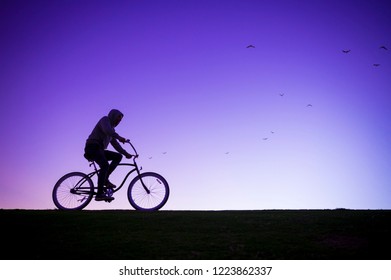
115, 117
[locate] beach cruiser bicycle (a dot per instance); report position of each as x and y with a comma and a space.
147, 191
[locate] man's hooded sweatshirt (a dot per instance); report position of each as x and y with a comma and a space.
104, 132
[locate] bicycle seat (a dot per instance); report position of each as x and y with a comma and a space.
88, 158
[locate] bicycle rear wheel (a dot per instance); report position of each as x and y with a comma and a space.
153, 197
73, 191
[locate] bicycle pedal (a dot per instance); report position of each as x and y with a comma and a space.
109, 192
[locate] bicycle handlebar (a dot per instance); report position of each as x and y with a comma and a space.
134, 149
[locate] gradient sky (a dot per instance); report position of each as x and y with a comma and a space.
188, 86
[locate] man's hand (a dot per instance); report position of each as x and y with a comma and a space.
122, 140
128, 156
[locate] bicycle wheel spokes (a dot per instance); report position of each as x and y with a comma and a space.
154, 198
155, 195
73, 191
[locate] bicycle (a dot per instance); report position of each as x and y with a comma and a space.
147, 191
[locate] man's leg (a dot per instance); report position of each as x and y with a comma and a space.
95, 153
103, 163
115, 160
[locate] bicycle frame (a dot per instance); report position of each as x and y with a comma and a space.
135, 168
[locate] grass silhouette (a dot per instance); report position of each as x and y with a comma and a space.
186, 235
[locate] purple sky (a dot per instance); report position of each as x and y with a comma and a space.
182, 75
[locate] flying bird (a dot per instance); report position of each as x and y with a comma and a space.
265, 138
309, 105
150, 157
227, 153
164, 153
346, 51
376, 64
384, 48
282, 94
250, 46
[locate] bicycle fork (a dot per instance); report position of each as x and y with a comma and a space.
142, 182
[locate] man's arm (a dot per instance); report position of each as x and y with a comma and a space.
109, 130
118, 147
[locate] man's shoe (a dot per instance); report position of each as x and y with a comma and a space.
110, 185
103, 197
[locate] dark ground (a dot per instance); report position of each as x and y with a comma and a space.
186, 235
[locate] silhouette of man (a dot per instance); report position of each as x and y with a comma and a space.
96, 150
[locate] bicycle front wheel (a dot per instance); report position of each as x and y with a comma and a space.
73, 191
148, 192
